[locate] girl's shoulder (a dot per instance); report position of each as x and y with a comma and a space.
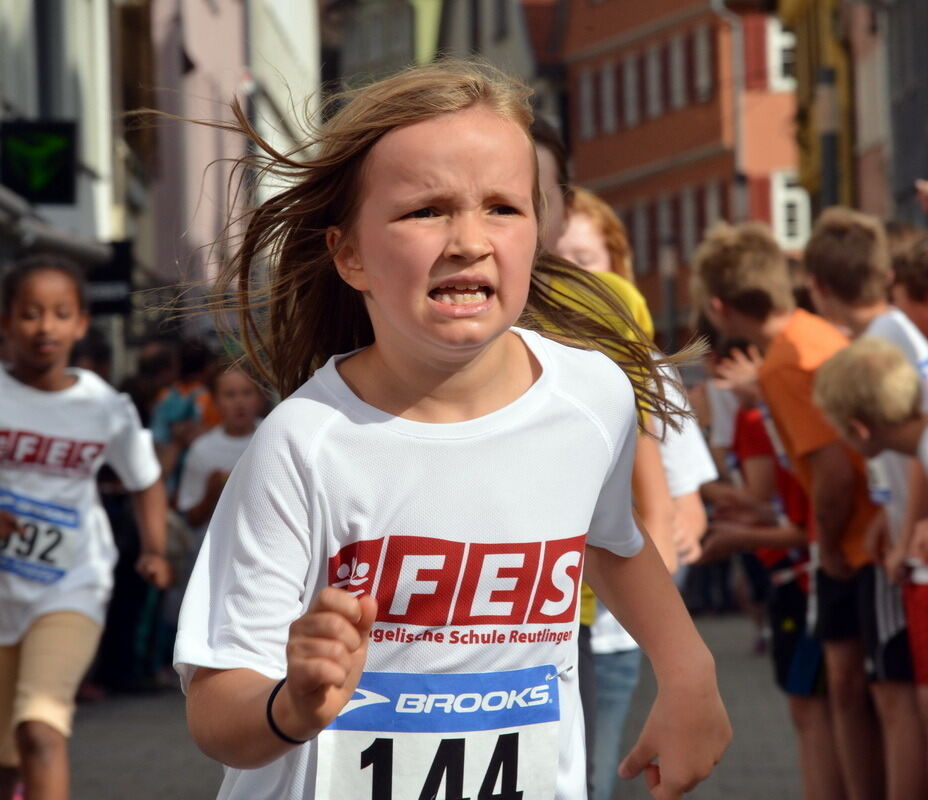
572, 367
299, 419
588, 379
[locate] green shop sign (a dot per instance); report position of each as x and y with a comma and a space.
38, 160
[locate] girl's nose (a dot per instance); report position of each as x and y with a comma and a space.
467, 239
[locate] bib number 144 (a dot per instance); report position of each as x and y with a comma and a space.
500, 780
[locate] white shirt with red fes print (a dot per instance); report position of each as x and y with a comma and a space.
471, 537
51, 446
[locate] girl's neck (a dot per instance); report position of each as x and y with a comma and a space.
54, 379
439, 393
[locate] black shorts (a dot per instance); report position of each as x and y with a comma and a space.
883, 630
837, 607
797, 657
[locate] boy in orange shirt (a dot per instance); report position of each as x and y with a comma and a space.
742, 282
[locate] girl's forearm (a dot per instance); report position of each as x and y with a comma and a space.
151, 509
227, 717
642, 596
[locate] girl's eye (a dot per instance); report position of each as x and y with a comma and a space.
422, 213
505, 210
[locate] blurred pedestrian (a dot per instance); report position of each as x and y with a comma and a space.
56, 553
183, 411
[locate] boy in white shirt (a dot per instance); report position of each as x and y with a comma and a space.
213, 455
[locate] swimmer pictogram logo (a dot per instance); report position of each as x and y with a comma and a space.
419, 580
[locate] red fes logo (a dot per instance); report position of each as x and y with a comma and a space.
70, 456
432, 582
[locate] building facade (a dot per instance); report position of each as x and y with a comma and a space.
681, 114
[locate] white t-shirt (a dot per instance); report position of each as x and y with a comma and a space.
51, 446
471, 537
888, 473
685, 455
688, 465
214, 451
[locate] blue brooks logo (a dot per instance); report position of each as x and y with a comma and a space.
391, 701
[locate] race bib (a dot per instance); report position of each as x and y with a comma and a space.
43, 550
481, 736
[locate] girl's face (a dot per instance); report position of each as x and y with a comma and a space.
583, 244
446, 234
238, 400
45, 320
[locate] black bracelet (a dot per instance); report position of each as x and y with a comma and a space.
270, 717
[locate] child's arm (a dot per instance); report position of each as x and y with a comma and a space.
200, 513
653, 503
832, 492
689, 525
688, 728
150, 506
326, 650
727, 538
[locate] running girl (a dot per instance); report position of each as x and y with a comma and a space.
441, 471
57, 427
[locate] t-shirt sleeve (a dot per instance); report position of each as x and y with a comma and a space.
612, 526
251, 578
130, 451
193, 478
685, 455
723, 406
788, 393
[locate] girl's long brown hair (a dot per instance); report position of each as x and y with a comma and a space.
294, 312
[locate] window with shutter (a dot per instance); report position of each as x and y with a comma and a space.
619, 80
703, 57
655, 90
642, 255
630, 70
689, 53
653, 236
702, 223
585, 95
676, 234
666, 79
687, 223
713, 203
607, 97
643, 86
677, 72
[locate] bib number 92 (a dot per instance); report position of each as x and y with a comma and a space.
500, 779
35, 541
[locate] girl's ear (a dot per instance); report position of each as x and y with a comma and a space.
347, 261
84, 324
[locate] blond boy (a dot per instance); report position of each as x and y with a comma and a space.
742, 283
874, 397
